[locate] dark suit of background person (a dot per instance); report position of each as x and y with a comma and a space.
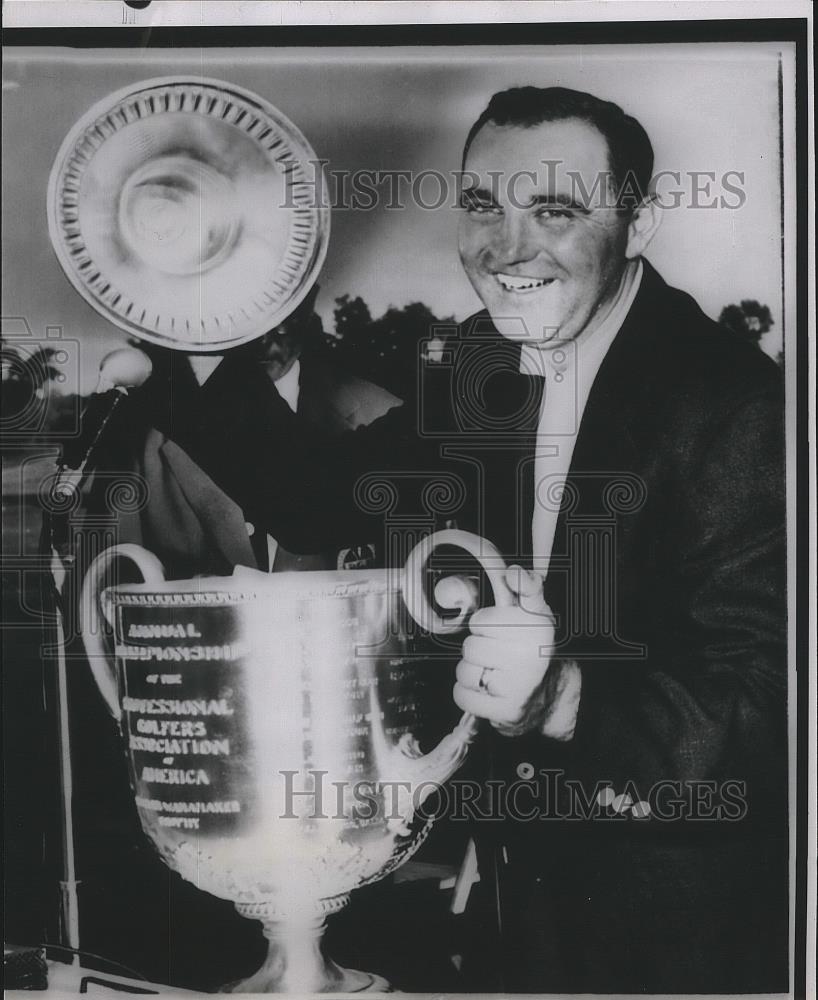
237, 428
679, 463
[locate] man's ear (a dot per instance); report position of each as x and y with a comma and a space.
642, 227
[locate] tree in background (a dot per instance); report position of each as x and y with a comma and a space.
352, 316
750, 320
384, 350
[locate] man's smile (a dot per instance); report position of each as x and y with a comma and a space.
516, 283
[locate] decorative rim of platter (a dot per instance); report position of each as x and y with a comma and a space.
189, 212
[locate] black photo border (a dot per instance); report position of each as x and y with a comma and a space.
745, 30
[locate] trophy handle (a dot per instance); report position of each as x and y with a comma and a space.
414, 593
92, 602
443, 761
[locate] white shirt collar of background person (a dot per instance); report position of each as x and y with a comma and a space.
289, 385
204, 365
569, 369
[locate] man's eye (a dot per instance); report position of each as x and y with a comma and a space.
478, 206
555, 214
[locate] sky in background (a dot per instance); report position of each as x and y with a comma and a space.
706, 108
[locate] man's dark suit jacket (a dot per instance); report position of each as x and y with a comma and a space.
668, 582
672, 539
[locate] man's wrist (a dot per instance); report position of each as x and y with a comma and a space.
553, 708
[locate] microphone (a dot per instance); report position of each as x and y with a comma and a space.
120, 370
123, 369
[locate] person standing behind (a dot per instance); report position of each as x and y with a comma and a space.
213, 434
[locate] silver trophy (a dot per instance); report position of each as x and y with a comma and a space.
271, 731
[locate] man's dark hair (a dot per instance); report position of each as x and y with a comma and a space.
630, 153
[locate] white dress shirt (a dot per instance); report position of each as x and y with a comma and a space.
569, 369
289, 385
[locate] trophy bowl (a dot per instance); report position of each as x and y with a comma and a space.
270, 725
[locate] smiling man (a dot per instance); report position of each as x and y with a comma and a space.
637, 694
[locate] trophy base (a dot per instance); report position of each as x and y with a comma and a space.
337, 980
296, 964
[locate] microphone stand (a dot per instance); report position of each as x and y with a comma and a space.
68, 933
67, 484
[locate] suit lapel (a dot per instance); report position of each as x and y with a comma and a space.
609, 430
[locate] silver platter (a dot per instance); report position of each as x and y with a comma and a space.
188, 212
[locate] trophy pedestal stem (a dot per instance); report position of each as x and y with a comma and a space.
296, 964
